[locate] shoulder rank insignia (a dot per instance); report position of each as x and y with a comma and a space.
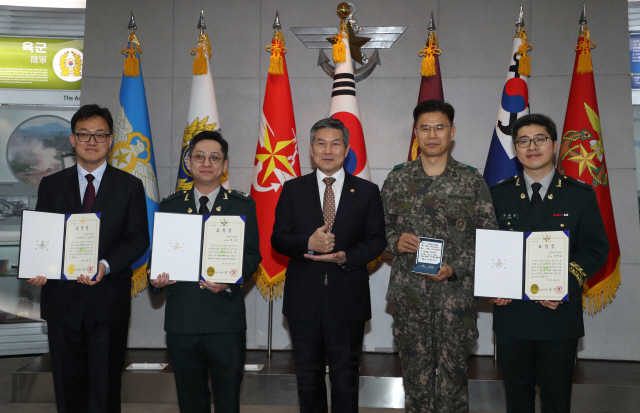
471, 168
166, 197
176, 194
504, 181
238, 194
399, 166
578, 182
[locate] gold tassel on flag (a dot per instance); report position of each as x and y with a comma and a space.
131, 62
277, 50
270, 287
524, 67
596, 298
428, 53
139, 281
584, 46
339, 50
202, 52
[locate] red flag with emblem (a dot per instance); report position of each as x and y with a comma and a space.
431, 83
276, 162
582, 157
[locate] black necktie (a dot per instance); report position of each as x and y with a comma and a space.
89, 194
536, 199
203, 206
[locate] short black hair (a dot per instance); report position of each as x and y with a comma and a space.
534, 119
331, 123
91, 111
433, 105
213, 136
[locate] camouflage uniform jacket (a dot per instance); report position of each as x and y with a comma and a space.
449, 207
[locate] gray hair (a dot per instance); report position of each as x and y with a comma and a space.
332, 124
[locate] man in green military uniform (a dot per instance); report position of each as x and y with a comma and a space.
434, 317
537, 340
205, 322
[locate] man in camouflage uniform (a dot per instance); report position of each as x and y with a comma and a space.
434, 317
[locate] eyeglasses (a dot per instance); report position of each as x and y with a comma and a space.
199, 158
438, 129
86, 137
526, 142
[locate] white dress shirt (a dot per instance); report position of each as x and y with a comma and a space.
337, 186
98, 173
97, 178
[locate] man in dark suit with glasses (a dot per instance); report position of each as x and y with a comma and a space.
88, 319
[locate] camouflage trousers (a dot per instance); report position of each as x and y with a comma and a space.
434, 347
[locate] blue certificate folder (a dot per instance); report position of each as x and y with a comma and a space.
429, 256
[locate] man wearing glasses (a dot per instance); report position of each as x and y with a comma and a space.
434, 316
205, 322
88, 320
537, 340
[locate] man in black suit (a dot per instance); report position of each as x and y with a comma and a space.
330, 224
88, 319
537, 340
205, 322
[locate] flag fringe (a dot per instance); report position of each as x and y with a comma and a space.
596, 298
373, 264
131, 61
584, 47
277, 49
428, 68
139, 281
270, 287
202, 52
339, 49
524, 65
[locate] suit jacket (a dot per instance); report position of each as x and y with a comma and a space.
359, 231
124, 237
192, 310
568, 205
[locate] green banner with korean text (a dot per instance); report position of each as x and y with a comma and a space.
30, 63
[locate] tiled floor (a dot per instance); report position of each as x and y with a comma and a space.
10, 364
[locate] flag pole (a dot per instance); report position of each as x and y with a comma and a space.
270, 332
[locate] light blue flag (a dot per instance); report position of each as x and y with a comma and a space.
132, 149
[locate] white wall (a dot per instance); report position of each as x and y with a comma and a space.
475, 39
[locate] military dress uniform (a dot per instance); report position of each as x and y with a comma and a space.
435, 323
528, 333
207, 331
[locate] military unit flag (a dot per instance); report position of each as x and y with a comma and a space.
501, 160
203, 109
431, 82
276, 162
582, 157
132, 149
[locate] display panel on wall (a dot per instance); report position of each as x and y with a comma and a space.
34, 143
32, 63
634, 54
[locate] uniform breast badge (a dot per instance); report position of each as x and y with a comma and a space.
461, 224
